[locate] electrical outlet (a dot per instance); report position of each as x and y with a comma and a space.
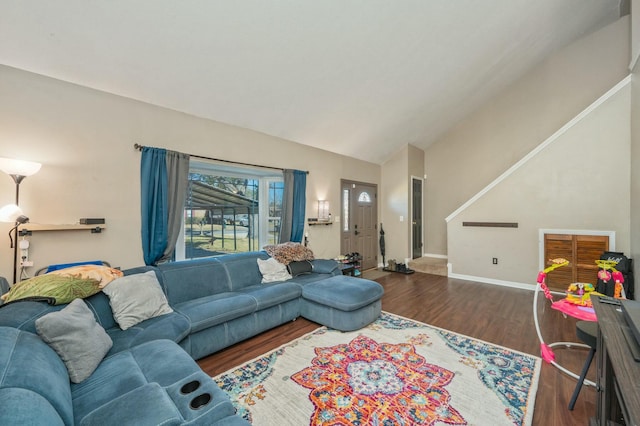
495, 260
26, 263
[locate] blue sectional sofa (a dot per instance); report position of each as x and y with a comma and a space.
149, 375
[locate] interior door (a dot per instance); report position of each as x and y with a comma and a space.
416, 218
359, 222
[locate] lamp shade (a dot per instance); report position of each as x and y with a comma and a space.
19, 167
12, 213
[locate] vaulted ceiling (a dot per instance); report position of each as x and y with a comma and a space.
357, 77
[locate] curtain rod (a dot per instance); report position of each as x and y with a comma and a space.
140, 147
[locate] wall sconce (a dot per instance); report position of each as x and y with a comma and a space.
18, 170
323, 210
11, 213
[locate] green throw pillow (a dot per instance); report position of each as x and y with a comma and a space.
63, 288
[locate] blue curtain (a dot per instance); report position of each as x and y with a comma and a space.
164, 177
154, 203
299, 205
294, 202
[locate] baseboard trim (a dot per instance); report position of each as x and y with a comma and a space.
436, 256
503, 283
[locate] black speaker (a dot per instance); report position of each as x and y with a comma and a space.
91, 221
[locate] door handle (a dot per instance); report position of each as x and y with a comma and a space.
356, 232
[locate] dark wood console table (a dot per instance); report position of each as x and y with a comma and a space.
618, 377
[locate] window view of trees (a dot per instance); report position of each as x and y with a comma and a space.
231, 213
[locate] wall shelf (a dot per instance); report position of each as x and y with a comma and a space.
38, 227
312, 222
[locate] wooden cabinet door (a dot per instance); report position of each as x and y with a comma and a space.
581, 251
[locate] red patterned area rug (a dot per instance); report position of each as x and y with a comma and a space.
396, 371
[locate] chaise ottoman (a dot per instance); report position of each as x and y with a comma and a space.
341, 302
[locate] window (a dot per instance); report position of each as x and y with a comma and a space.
230, 209
274, 214
364, 197
345, 209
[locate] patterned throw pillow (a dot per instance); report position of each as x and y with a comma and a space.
103, 274
286, 253
63, 289
64, 285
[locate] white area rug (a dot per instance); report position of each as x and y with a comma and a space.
396, 371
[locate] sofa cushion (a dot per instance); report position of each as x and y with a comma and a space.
209, 311
135, 298
174, 326
133, 387
24, 407
192, 279
270, 295
242, 268
343, 293
149, 400
99, 304
306, 279
325, 266
76, 337
23, 314
33, 373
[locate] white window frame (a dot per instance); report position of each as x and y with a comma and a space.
264, 177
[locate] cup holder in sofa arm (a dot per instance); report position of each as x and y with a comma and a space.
200, 401
190, 387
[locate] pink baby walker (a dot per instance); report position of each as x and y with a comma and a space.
576, 305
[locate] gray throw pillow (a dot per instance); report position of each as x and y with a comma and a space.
135, 298
76, 337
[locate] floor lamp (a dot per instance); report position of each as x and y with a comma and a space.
18, 170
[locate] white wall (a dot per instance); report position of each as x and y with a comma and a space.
635, 133
84, 139
395, 205
635, 33
635, 170
495, 137
580, 181
396, 202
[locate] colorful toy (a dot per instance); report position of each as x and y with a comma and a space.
580, 294
542, 275
618, 278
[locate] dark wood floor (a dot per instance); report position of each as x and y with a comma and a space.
491, 313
